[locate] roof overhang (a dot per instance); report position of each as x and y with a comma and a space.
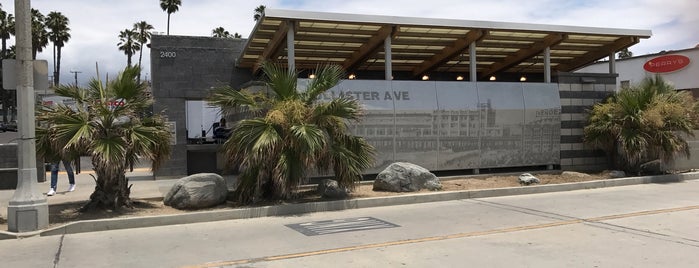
423, 45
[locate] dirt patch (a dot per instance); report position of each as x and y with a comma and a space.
60, 214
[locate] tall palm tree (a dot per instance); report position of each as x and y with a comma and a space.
108, 123
7, 30
170, 6
259, 12
129, 44
59, 34
643, 123
40, 36
293, 133
143, 34
237, 35
220, 32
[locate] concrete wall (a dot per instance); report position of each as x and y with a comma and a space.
579, 91
8, 167
681, 163
186, 68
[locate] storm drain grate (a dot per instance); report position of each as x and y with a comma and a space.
340, 226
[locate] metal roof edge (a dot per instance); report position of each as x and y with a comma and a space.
417, 21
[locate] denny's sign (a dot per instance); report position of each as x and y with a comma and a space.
666, 64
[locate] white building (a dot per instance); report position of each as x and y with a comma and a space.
678, 67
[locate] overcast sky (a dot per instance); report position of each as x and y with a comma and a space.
95, 24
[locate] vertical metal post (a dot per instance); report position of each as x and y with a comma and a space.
28, 209
388, 58
547, 65
612, 63
472, 65
291, 58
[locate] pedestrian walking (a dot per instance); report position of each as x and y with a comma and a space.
54, 176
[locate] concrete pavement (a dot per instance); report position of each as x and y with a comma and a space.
648, 225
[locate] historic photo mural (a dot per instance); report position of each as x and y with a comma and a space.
458, 125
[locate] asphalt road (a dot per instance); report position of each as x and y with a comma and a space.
650, 225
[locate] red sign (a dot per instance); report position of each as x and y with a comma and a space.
666, 64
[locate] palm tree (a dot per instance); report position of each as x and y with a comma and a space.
143, 34
129, 44
220, 32
625, 53
59, 34
292, 134
170, 6
40, 36
107, 123
7, 30
259, 12
643, 123
237, 35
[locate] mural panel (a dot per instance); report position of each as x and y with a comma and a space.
458, 122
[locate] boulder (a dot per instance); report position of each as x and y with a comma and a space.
331, 189
406, 177
528, 179
197, 191
655, 167
575, 174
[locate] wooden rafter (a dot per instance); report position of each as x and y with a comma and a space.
368, 48
523, 54
273, 47
591, 56
449, 52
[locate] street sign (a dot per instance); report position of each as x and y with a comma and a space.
41, 74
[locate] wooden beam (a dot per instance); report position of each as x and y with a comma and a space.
449, 52
523, 54
273, 47
368, 48
592, 56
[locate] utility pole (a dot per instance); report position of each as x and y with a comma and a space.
27, 210
76, 76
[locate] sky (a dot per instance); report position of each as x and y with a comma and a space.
95, 24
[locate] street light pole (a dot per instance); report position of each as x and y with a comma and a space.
27, 210
76, 76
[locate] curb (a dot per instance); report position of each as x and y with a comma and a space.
291, 209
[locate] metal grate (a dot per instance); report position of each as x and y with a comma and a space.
340, 226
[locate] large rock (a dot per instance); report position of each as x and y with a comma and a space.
617, 174
528, 179
331, 189
406, 177
197, 191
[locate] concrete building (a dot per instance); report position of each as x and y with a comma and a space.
445, 94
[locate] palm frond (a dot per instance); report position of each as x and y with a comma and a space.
327, 76
282, 81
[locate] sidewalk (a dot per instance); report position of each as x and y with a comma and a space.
144, 186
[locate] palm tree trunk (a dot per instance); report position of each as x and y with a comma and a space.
128, 59
54, 65
140, 55
111, 189
168, 23
58, 68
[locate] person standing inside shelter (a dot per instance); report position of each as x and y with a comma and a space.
54, 176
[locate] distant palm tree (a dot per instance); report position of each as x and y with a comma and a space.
259, 12
293, 133
129, 44
237, 35
643, 123
40, 36
170, 6
143, 34
110, 124
625, 53
220, 32
59, 34
7, 30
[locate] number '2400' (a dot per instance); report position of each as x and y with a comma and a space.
168, 54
